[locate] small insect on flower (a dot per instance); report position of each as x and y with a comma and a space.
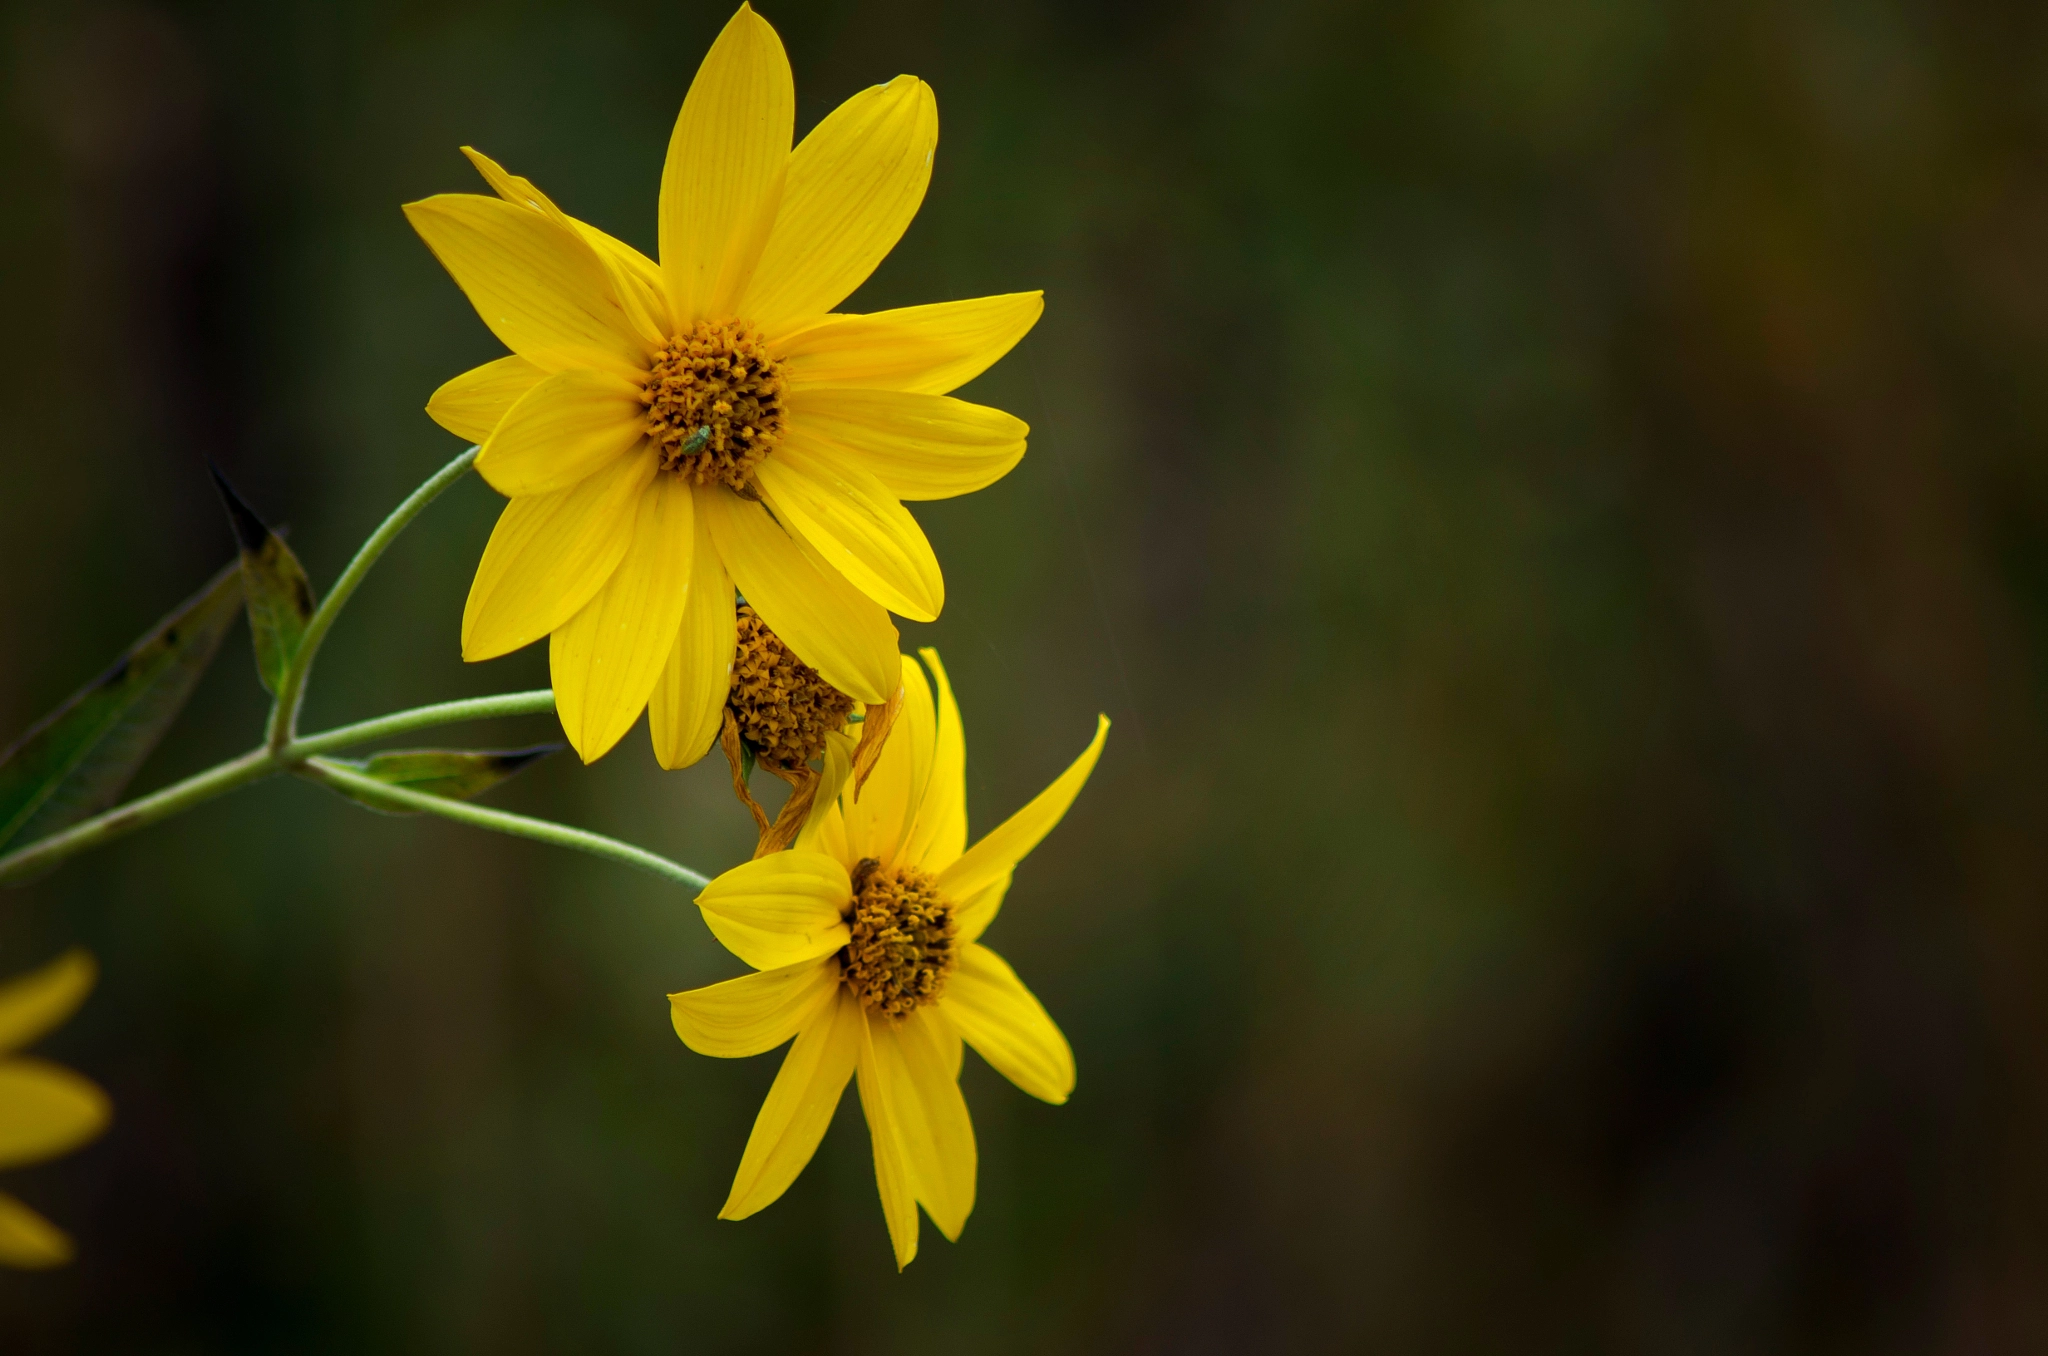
866, 938
668, 431
45, 1110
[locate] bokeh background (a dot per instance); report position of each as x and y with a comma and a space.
1552, 494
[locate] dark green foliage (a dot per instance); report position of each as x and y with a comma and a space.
279, 595
79, 758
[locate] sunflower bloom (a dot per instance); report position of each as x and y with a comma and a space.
866, 941
668, 432
45, 1110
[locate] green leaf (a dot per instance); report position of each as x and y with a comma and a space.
280, 597
458, 774
79, 758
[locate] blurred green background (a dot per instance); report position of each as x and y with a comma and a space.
1552, 494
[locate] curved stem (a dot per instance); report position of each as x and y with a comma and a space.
284, 714
420, 718
25, 863
283, 750
40, 856
499, 821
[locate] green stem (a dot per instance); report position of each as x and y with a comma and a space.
284, 714
284, 751
38, 857
520, 826
420, 718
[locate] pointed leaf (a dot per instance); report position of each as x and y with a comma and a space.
79, 758
458, 774
280, 596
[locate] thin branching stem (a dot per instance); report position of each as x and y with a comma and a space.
420, 718
291, 691
500, 821
284, 751
29, 862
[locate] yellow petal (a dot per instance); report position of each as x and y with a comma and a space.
800, 1104
470, 406
851, 519
929, 1116
939, 830
637, 289
513, 188
826, 621
606, 658
566, 427
827, 834
540, 288
927, 349
948, 1037
972, 917
854, 184
875, 724
29, 1241
836, 767
780, 909
920, 446
1008, 1026
893, 1178
753, 1013
636, 279
722, 183
39, 1001
45, 1110
685, 710
987, 861
878, 813
549, 555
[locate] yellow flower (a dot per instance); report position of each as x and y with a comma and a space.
45, 1110
668, 431
866, 939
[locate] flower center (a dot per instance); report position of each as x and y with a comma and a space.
714, 403
902, 947
783, 707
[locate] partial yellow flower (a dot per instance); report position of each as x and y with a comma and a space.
866, 940
45, 1110
779, 716
668, 432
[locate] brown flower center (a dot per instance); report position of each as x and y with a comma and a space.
902, 947
714, 403
783, 707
